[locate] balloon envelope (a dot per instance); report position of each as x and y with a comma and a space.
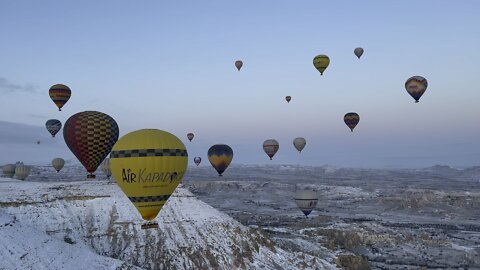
299, 143
9, 170
148, 165
197, 160
351, 120
238, 64
190, 136
53, 126
288, 98
270, 147
416, 86
321, 62
220, 156
60, 94
58, 163
306, 200
22, 171
358, 52
90, 135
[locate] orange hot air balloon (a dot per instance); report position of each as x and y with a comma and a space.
90, 135
60, 94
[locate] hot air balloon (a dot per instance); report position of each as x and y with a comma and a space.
148, 165
53, 126
270, 147
306, 200
190, 136
351, 119
9, 170
197, 160
358, 52
288, 98
22, 171
90, 135
220, 156
238, 64
60, 94
38, 142
321, 62
58, 163
106, 167
416, 86
299, 143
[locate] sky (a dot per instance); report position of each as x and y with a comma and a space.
170, 66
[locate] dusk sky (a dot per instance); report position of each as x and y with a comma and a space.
170, 66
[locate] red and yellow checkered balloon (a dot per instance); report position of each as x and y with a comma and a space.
90, 135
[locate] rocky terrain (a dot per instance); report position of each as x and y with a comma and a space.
50, 223
379, 219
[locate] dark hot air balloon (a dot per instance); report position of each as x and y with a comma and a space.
416, 86
197, 160
238, 64
53, 126
90, 135
351, 119
220, 156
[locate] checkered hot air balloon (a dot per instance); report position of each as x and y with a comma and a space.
90, 135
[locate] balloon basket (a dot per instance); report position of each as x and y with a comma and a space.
150, 225
91, 176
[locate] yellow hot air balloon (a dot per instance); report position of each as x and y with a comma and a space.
148, 165
321, 62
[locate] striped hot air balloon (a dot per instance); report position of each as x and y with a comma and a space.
220, 156
306, 200
53, 126
351, 119
60, 94
90, 135
270, 147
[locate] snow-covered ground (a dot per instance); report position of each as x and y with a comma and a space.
392, 218
91, 225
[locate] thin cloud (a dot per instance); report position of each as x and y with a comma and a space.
8, 87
